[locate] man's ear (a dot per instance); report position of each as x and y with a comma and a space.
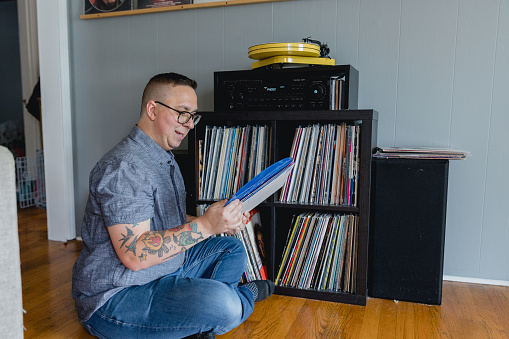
151, 109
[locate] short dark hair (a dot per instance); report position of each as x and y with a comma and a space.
165, 79
174, 79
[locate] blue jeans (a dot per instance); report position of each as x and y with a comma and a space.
202, 296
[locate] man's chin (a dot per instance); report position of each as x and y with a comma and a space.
175, 145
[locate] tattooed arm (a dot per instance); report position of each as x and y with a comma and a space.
138, 247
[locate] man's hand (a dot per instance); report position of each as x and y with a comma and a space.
224, 219
245, 216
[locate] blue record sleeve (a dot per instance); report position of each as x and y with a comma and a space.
261, 179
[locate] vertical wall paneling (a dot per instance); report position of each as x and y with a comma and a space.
318, 22
123, 102
93, 62
144, 54
78, 95
347, 32
495, 232
257, 27
177, 45
425, 72
378, 63
235, 56
210, 44
470, 123
283, 22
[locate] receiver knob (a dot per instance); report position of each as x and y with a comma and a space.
316, 91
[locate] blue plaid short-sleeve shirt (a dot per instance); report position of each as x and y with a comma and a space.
137, 180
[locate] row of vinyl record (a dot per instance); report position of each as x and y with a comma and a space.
320, 253
252, 239
336, 97
230, 157
326, 165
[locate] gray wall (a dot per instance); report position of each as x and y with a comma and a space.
436, 71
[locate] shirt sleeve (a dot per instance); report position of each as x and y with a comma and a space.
124, 193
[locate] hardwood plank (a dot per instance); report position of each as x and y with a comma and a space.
46, 272
491, 323
388, 318
467, 310
497, 297
405, 320
315, 318
266, 320
452, 303
437, 323
423, 322
371, 320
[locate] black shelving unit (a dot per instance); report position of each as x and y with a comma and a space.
277, 216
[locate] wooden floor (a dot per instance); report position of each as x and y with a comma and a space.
467, 311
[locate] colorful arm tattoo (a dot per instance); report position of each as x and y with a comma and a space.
132, 247
186, 238
155, 241
126, 237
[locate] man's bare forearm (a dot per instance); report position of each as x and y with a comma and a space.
154, 247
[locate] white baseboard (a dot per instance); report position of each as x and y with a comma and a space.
476, 280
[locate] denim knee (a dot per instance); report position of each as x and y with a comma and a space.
223, 306
236, 247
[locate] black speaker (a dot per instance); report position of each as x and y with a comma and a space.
407, 230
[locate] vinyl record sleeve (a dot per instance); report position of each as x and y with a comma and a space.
264, 184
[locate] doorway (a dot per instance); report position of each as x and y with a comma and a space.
12, 134
44, 51
20, 128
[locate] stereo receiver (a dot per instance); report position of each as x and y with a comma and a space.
305, 88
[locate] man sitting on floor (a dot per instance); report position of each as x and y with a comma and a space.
147, 269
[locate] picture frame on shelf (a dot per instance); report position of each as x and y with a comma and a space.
108, 6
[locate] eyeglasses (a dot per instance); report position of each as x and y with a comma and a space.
184, 116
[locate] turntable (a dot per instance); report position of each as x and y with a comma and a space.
279, 55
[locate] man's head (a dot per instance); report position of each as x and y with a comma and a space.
164, 97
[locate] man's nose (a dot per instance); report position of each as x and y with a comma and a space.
189, 124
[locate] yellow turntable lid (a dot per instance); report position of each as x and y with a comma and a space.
263, 51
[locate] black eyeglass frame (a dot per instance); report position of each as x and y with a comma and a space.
196, 117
